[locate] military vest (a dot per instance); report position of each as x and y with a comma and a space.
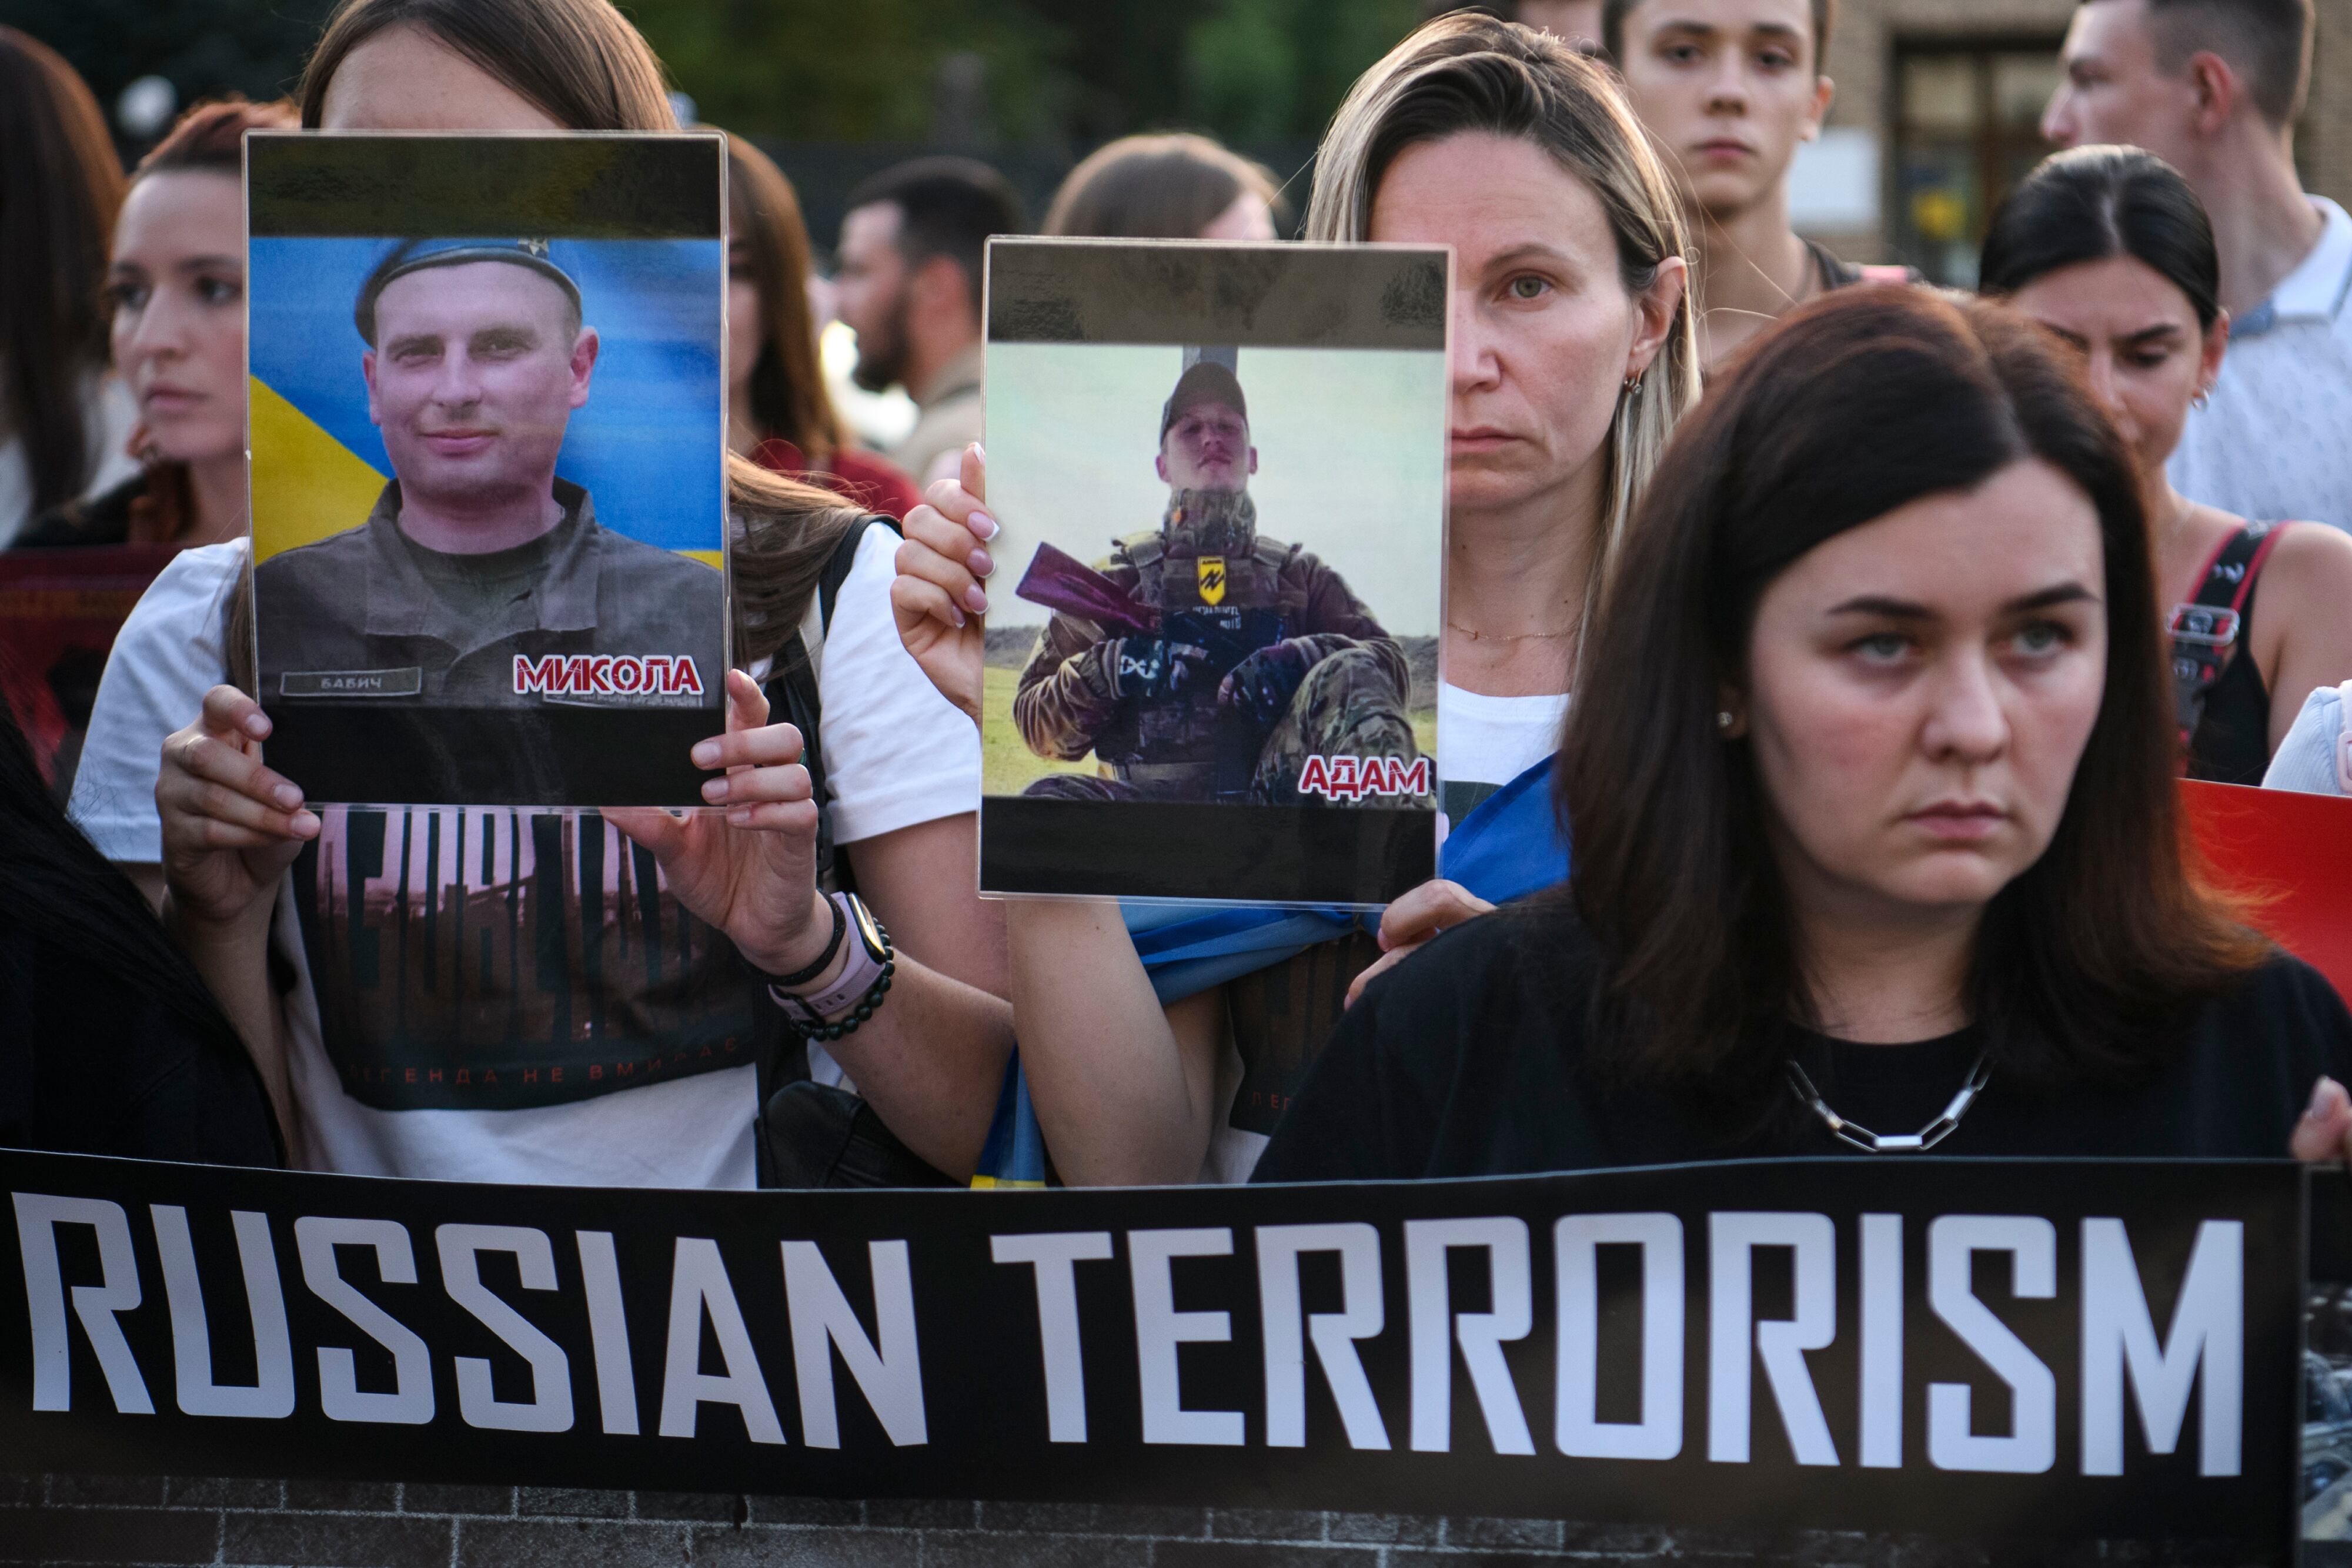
1218, 588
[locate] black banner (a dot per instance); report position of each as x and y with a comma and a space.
1973, 1349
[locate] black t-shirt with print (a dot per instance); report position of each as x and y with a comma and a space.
1468, 1060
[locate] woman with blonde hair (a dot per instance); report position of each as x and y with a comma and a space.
1572, 356
689, 1058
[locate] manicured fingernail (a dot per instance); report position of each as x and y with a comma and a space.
2319, 1098
714, 790
738, 818
287, 796
975, 600
983, 525
982, 564
958, 616
257, 725
979, 451
304, 824
705, 753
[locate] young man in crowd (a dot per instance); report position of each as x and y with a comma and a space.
2213, 88
913, 243
1729, 89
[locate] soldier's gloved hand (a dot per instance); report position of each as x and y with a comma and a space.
1260, 687
1141, 666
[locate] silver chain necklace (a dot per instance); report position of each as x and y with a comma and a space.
1863, 1138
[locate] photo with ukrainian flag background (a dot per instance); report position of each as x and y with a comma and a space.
486, 435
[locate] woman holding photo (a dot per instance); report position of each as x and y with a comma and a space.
1572, 356
1878, 841
898, 762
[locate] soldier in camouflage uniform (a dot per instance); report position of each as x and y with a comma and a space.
1262, 657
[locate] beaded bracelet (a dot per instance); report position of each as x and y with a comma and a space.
864, 1010
808, 1023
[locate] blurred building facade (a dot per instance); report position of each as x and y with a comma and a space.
1938, 113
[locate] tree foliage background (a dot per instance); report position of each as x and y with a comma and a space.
1055, 75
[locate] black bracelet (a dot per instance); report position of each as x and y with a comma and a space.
802, 976
867, 1004
859, 1015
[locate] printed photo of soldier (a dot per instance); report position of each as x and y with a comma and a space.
1205, 662
481, 578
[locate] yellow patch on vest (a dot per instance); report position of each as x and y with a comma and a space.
1211, 570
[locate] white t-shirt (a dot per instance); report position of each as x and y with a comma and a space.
1482, 743
2270, 443
442, 954
2316, 757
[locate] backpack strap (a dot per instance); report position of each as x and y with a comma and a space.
2204, 630
793, 693
781, 1053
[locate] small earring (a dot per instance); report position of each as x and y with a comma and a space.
2204, 396
1723, 719
1632, 387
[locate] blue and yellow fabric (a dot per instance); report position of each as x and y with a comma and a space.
1508, 847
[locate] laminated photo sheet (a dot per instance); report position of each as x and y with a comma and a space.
1220, 474
487, 436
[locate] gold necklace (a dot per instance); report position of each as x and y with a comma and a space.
1507, 637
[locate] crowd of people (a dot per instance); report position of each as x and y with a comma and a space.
1822, 654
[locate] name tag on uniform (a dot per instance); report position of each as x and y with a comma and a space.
405, 683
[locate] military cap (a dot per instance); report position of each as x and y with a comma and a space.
1207, 381
418, 254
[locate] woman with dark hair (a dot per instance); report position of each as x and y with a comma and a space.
62, 419
109, 1043
779, 414
2109, 248
1165, 187
663, 1070
175, 294
1871, 768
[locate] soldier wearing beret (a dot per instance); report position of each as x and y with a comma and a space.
1262, 658
481, 579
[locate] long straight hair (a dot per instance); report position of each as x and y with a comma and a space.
60, 187
584, 65
1850, 407
1468, 72
788, 394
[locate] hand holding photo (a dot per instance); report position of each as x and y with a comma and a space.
487, 518
1176, 717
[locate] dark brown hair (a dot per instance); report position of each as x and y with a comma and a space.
584, 65
1155, 187
788, 395
60, 186
579, 60
1614, 12
1849, 408
209, 138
